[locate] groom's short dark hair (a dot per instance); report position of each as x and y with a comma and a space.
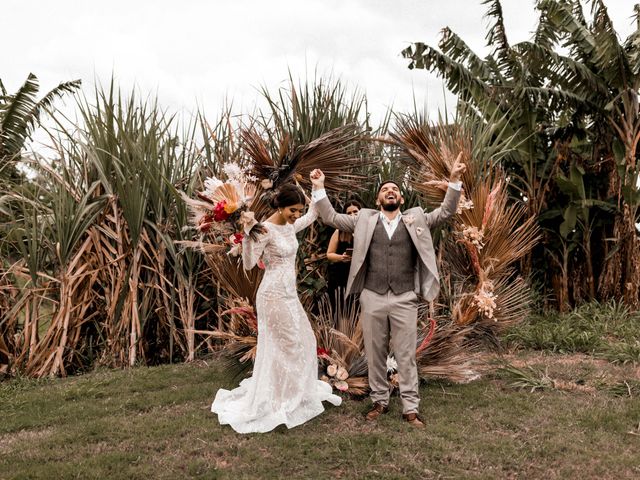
384, 182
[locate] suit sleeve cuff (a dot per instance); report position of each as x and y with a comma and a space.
456, 185
317, 195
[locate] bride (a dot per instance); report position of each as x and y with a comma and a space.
284, 388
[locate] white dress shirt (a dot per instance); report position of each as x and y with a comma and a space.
390, 225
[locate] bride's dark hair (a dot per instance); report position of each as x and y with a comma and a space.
287, 195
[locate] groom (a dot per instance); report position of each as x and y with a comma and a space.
393, 261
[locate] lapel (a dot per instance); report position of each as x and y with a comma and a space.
411, 225
362, 237
371, 226
418, 222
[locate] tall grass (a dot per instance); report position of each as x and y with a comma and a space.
95, 235
609, 330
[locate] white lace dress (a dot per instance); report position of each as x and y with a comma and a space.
284, 388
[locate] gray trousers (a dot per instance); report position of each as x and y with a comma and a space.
394, 318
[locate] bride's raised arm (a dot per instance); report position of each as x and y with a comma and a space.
307, 219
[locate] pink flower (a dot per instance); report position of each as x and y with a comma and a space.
261, 265
341, 385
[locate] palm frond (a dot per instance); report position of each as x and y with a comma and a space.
546, 36
338, 329
569, 21
497, 38
489, 235
459, 79
610, 56
236, 282
632, 45
14, 128
454, 47
22, 113
450, 355
334, 152
564, 71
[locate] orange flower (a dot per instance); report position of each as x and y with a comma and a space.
230, 207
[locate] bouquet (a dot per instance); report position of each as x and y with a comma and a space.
221, 211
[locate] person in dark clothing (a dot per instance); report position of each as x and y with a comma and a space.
339, 256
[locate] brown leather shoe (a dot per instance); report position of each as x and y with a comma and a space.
413, 419
377, 410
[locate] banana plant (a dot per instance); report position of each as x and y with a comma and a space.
19, 116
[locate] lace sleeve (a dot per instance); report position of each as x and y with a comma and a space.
252, 250
307, 219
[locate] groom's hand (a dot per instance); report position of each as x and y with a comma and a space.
317, 179
458, 169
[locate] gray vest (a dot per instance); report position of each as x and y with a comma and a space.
391, 262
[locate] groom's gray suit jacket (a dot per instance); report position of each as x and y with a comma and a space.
418, 224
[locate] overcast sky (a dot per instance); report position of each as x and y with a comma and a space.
197, 52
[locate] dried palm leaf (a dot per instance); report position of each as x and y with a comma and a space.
335, 152
489, 233
238, 331
340, 344
234, 280
450, 355
430, 152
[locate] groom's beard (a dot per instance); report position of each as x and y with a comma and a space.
391, 207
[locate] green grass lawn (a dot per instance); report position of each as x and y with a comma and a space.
155, 423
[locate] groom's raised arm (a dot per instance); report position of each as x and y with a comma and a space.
341, 221
447, 208
449, 205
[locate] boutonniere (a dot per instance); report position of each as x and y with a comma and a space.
408, 219
419, 231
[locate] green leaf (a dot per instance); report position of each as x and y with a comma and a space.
570, 218
618, 151
575, 174
566, 186
631, 195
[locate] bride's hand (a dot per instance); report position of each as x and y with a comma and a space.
248, 221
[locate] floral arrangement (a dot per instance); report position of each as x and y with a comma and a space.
344, 377
333, 373
221, 210
392, 374
485, 300
473, 235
